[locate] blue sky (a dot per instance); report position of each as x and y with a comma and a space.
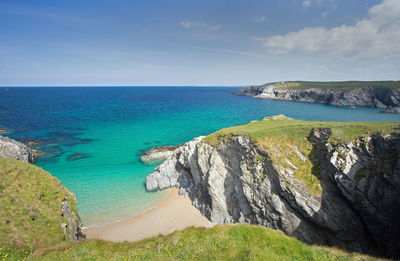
186, 42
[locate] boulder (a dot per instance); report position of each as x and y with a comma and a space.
12, 149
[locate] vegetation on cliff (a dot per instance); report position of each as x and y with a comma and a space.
282, 137
31, 203
342, 86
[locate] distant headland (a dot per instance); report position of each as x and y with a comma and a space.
376, 94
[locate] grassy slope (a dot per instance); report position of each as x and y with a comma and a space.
30, 201
27, 191
223, 242
344, 86
277, 137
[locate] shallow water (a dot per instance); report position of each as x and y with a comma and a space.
93, 136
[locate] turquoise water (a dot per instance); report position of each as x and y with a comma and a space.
111, 127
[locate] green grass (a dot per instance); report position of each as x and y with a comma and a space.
343, 86
277, 135
223, 242
27, 191
30, 201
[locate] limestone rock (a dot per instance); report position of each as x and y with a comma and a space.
12, 149
73, 228
237, 181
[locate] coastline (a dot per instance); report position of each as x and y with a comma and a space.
173, 213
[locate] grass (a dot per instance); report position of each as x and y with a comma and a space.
343, 86
30, 200
30, 229
278, 136
223, 242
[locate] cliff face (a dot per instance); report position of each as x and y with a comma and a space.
12, 149
377, 97
354, 203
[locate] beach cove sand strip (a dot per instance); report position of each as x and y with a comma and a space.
172, 214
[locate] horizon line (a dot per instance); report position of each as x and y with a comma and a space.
224, 85
74, 86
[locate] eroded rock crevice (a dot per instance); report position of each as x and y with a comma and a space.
237, 181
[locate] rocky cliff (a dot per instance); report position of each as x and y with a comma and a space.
371, 96
324, 183
12, 149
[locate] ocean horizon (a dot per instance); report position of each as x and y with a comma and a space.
93, 137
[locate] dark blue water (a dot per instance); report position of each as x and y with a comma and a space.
93, 136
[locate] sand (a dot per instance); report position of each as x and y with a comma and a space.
173, 213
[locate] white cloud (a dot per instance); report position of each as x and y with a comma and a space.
260, 19
213, 27
378, 35
190, 24
306, 3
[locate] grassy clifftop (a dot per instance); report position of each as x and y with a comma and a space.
31, 206
223, 242
343, 86
281, 137
279, 127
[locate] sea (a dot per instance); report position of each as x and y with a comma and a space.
93, 137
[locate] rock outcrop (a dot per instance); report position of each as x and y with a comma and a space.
376, 97
237, 181
158, 154
72, 229
12, 149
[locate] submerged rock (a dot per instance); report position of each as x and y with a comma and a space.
237, 181
78, 156
32, 143
12, 149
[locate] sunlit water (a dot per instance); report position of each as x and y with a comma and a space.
93, 137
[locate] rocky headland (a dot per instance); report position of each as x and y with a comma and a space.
383, 95
12, 149
324, 183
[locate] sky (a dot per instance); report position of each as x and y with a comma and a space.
201, 43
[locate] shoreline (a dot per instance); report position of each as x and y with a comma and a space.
173, 213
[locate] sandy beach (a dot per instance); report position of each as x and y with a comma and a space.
173, 213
